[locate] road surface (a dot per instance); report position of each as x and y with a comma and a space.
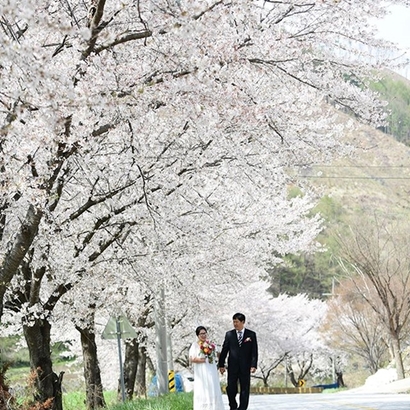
328, 401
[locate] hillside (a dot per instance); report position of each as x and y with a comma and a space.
376, 177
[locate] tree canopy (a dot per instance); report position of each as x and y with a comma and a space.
151, 141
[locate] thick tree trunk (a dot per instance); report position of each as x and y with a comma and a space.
339, 379
6, 399
398, 357
47, 383
141, 381
18, 250
92, 373
135, 363
130, 367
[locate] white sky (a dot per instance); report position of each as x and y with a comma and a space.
396, 27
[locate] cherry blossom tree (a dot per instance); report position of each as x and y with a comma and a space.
287, 326
375, 258
156, 137
296, 332
353, 327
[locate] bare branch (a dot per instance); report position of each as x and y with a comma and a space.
123, 38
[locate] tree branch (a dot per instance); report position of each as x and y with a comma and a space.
123, 38
91, 201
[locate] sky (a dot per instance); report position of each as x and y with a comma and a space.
396, 27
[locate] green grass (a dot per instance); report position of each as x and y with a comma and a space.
76, 400
174, 401
74, 396
73, 401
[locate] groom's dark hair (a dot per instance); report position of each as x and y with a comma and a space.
239, 316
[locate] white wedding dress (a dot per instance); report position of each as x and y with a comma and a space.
207, 388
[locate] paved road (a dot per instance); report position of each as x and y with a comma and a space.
327, 401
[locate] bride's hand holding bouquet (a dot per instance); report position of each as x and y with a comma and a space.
207, 350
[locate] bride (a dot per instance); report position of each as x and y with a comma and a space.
207, 389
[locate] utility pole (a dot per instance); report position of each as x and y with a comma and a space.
171, 372
333, 359
161, 342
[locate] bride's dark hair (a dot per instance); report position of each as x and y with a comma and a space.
199, 328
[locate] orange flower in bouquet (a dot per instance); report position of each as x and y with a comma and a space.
208, 349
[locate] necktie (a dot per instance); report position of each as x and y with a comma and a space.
240, 338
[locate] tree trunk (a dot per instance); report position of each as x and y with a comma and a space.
47, 384
339, 379
6, 399
141, 381
18, 250
398, 357
134, 370
291, 374
130, 367
92, 373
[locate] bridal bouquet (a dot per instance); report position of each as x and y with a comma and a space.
208, 349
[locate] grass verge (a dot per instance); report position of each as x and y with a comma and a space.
76, 400
174, 401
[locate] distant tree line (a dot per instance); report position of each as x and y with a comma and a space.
396, 92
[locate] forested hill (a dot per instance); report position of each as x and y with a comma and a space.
396, 90
374, 179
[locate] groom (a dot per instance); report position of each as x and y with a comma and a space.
242, 346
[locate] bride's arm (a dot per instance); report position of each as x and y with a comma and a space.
197, 359
193, 355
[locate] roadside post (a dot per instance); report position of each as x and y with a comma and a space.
119, 328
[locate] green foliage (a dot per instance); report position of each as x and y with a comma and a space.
9, 352
312, 273
294, 192
296, 275
175, 401
60, 351
397, 94
330, 210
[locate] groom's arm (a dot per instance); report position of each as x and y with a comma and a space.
254, 357
224, 353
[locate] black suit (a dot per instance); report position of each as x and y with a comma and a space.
240, 360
